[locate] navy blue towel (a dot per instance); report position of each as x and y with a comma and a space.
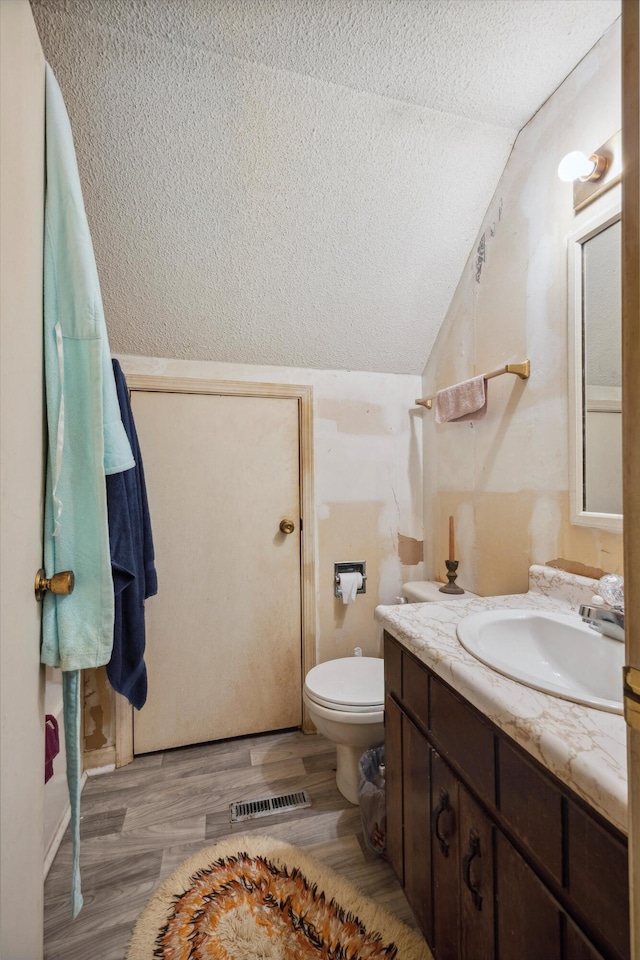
132, 563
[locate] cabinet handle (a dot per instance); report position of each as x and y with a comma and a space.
443, 807
472, 852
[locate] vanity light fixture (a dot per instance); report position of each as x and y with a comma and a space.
577, 166
595, 174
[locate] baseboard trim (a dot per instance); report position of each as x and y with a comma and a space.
104, 757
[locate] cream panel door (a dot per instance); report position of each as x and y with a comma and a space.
21, 482
224, 633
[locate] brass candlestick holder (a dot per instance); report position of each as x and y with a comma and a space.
451, 587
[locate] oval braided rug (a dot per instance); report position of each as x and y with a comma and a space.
254, 898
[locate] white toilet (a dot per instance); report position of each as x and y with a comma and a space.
345, 697
345, 700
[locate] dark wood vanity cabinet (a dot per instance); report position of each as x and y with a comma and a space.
498, 859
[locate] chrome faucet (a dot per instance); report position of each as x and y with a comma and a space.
607, 620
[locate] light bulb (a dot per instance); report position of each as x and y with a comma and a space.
575, 165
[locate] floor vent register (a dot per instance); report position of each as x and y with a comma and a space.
252, 809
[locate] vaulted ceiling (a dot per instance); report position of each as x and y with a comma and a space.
298, 182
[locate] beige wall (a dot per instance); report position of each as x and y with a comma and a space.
506, 478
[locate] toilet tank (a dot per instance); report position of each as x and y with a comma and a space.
428, 591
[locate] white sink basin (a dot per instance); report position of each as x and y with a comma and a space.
553, 652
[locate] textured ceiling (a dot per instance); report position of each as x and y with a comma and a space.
298, 182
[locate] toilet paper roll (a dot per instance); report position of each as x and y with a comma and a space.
349, 584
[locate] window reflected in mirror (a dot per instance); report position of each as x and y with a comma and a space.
602, 487
595, 370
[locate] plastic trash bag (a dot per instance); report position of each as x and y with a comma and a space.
371, 798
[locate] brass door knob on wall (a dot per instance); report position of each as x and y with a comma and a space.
61, 583
287, 526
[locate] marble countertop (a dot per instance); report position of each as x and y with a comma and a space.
585, 748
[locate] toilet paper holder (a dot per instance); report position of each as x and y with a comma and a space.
358, 566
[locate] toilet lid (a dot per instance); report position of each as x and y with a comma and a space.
353, 684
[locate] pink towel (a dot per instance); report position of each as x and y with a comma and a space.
51, 745
465, 401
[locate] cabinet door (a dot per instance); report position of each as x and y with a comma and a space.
446, 860
393, 786
476, 881
417, 825
462, 844
528, 926
594, 854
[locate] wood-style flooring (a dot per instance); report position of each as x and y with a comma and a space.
140, 822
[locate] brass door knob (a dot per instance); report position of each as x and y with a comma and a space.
61, 583
287, 526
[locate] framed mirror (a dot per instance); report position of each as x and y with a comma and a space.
595, 371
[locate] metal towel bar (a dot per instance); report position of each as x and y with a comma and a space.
522, 370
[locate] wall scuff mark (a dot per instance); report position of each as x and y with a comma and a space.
480, 258
575, 566
97, 717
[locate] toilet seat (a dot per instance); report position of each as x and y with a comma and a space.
345, 718
350, 684
335, 705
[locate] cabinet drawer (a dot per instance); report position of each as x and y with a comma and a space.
415, 689
532, 806
598, 883
464, 740
392, 668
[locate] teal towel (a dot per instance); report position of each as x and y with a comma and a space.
86, 436
86, 441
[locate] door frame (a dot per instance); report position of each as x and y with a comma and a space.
630, 414
245, 388
23, 454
